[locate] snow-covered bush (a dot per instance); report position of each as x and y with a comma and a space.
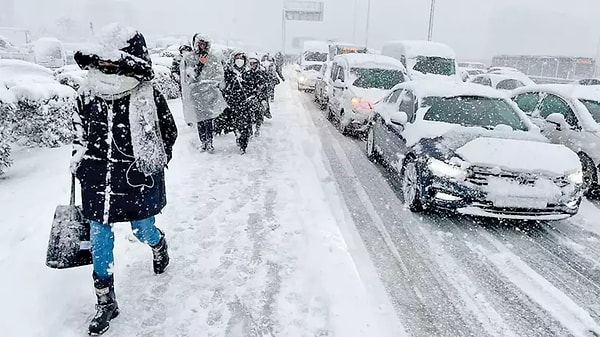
43, 114
165, 83
7, 109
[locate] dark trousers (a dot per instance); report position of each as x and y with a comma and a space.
243, 127
205, 131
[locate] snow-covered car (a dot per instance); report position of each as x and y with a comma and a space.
307, 76
322, 86
356, 83
588, 81
468, 148
569, 115
469, 73
472, 65
506, 83
424, 59
503, 70
50, 53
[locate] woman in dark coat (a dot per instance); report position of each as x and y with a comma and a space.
237, 94
124, 139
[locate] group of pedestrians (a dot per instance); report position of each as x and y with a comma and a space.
125, 133
225, 95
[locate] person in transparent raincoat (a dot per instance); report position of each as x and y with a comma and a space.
202, 77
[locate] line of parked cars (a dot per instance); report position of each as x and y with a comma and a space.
499, 146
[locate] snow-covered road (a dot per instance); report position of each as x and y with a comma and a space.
303, 236
449, 275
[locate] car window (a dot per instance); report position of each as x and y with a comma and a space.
486, 81
477, 80
407, 104
527, 102
509, 84
393, 97
341, 74
593, 107
334, 70
435, 65
554, 104
471, 111
376, 78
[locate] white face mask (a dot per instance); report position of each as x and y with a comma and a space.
239, 63
110, 84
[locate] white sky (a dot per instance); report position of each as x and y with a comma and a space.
474, 28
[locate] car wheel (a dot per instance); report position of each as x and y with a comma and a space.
590, 176
372, 153
329, 114
411, 186
341, 127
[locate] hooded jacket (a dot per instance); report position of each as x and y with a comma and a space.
114, 187
201, 84
238, 90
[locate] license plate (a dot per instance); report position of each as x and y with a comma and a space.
520, 202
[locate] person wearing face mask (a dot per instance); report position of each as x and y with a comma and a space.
124, 140
274, 76
256, 77
202, 77
238, 92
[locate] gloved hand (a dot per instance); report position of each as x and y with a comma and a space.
76, 159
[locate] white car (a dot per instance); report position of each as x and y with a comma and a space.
424, 59
569, 115
50, 53
356, 83
468, 148
508, 82
308, 75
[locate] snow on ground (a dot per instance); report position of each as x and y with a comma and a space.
261, 245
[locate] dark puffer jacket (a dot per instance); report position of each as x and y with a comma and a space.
110, 160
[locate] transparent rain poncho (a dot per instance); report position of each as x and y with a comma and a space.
201, 92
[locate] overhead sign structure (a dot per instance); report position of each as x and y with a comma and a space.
311, 11
303, 10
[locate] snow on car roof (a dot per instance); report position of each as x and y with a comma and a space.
566, 90
433, 88
370, 61
17, 68
415, 48
497, 78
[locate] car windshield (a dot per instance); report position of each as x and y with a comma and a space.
472, 111
435, 65
376, 78
314, 56
315, 67
593, 107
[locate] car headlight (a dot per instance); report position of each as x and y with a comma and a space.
440, 168
576, 178
302, 78
361, 103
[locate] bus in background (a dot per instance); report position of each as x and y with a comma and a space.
549, 69
314, 52
337, 48
424, 59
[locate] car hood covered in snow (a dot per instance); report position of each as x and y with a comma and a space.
519, 155
372, 95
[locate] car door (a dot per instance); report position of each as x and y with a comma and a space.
319, 83
397, 144
381, 131
554, 104
338, 93
332, 77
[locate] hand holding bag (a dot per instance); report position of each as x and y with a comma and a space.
69, 243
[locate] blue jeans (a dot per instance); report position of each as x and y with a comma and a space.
103, 241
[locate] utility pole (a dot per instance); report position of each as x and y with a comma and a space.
368, 22
431, 18
354, 26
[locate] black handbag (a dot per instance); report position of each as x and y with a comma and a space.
69, 243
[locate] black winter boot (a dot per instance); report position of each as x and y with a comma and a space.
161, 255
107, 307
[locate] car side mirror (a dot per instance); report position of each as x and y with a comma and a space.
338, 84
558, 120
399, 118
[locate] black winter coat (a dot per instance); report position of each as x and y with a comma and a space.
237, 90
133, 196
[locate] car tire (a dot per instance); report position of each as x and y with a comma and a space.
411, 186
590, 176
341, 127
372, 153
329, 114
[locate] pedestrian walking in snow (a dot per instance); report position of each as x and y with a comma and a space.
237, 94
124, 139
176, 65
274, 76
257, 79
202, 77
